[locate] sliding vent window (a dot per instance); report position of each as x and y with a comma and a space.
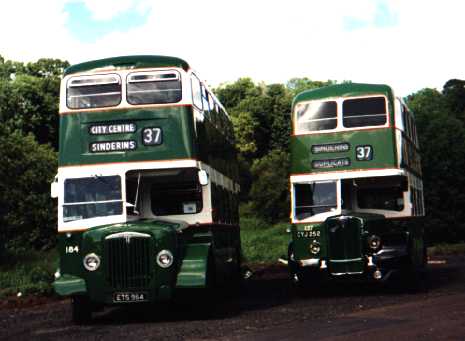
154, 87
364, 112
315, 116
314, 198
97, 91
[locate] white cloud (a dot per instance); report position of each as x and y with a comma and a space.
270, 41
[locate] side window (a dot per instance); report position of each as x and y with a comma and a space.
205, 96
196, 92
211, 102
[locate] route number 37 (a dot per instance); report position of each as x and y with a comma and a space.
364, 153
152, 136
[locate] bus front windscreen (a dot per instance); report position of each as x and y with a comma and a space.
91, 197
314, 198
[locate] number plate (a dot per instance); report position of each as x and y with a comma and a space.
129, 297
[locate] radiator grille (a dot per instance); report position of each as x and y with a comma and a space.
345, 247
128, 258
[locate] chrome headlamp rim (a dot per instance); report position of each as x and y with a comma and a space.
315, 247
374, 242
164, 253
88, 265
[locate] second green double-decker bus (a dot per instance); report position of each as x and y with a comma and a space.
146, 185
355, 185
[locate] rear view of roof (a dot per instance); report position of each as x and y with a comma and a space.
127, 62
344, 90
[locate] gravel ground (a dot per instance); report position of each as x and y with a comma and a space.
268, 309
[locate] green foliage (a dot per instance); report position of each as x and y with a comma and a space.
29, 275
27, 214
29, 96
442, 142
297, 85
269, 193
262, 242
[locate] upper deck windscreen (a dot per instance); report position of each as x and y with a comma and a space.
364, 112
156, 87
94, 91
317, 115
340, 114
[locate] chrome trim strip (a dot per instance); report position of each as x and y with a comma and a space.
127, 235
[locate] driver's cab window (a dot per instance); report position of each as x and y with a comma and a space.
314, 198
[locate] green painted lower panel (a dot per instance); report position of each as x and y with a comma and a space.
194, 267
69, 285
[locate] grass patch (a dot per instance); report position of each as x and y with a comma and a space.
447, 249
263, 242
30, 274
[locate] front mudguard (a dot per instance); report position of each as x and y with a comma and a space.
68, 285
194, 270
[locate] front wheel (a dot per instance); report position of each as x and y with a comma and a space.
81, 309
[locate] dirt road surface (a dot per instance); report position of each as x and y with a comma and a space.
268, 309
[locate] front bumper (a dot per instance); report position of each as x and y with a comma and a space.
378, 266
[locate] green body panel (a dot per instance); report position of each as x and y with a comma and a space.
127, 62
193, 271
175, 122
69, 285
164, 236
382, 142
215, 144
191, 247
381, 139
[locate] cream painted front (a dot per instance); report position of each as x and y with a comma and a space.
338, 176
203, 217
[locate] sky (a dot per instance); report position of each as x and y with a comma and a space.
408, 44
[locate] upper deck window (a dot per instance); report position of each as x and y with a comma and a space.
96, 91
364, 112
314, 116
157, 87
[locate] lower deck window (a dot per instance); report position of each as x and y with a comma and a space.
314, 198
176, 198
390, 199
92, 197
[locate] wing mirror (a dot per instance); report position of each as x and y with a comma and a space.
54, 188
203, 177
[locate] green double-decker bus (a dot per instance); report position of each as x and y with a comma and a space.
356, 185
147, 184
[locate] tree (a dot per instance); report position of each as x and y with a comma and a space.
297, 85
454, 93
269, 193
27, 214
442, 142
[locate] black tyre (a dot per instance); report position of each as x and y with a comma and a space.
81, 309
